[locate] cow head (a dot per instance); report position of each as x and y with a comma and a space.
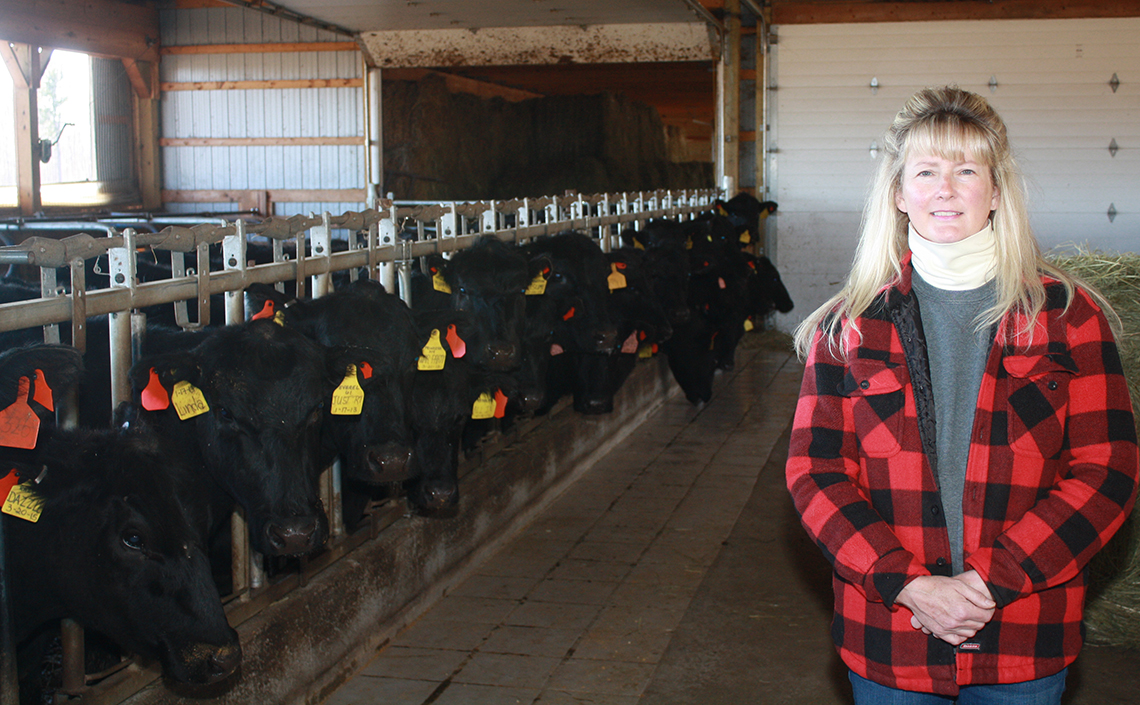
256, 396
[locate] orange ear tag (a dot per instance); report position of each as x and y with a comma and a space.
154, 397
366, 370
616, 280
19, 425
43, 392
439, 283
630, 344
7, 483
458, 347
484, 407
568, 315
267, 311
348, 397
500, 404
433, 356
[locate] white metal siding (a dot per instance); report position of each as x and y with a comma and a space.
1052, 90
292, 112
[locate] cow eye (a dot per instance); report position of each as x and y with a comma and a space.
225, 414
133, 540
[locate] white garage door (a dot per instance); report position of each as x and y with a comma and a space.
1051, 82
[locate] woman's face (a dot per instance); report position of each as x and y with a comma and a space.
946, 200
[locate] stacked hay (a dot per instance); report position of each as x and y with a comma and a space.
1113, 612
440, 145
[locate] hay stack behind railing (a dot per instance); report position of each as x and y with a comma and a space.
1113, 612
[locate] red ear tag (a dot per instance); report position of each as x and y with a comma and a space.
751, 265
43, 392
500, 404
154, 396
366, 370
620, 265
458, 347
655, 348
641, 335
265, 312
7, 483
19, 425
568, 315
630, 344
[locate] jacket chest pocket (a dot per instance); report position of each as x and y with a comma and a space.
1038, 398
877, 391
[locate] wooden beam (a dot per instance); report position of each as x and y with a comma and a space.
139, 77
26, 58
147, 156
109, 28
283, 47
262, 85
462, 84
18, 72
345, 195
834, 11
260, 141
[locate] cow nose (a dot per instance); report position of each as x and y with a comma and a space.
291, 536
501, 356
605, 339
389, 462
224, 661
530, 400
438, 494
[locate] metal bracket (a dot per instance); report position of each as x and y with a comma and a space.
1111, 212
1114, 82
1113, 148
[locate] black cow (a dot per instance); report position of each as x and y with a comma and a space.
378, 329
255, 396
487, 282
114, 545
576, 308
642, 321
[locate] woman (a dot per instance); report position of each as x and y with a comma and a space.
964, 440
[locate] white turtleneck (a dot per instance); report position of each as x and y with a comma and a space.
955, 266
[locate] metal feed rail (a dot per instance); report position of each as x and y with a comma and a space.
382, 243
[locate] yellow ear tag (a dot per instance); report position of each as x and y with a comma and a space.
748, 325
24, 503
439, 283
188, 401
688, 243
645, 352
484, 407
537, 286
433, 356
746, 237
279, 318
348, 397
637, 245
616, 279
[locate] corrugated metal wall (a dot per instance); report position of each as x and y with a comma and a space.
1052, 90
267, 113
111, 96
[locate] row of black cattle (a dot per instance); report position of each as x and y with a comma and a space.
250, 414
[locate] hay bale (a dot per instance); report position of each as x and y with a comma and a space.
1112, 616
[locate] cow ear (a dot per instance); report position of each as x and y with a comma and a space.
436, 264
540, 265
262, 301
52, 372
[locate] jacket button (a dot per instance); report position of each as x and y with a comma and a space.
934, 510
940, 562
864, 384
1052, 384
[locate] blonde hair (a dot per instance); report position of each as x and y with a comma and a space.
951, 123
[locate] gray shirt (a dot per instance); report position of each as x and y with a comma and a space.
957, 354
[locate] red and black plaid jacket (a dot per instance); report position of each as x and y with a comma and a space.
1051, 475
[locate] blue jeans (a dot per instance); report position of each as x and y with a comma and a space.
1043, 691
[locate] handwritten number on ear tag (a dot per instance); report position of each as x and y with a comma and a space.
24, 503
19, 425
484, 407
439, 283
348, 397
537, 285
188, 401
433, 356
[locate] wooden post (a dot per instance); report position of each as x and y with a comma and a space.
728, 108
144, 79
23, 62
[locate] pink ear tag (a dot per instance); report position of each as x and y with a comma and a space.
43, 392
19, 425
154, 396
556, 349
630, 344
458, 347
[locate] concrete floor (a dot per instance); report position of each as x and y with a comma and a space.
673, 572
